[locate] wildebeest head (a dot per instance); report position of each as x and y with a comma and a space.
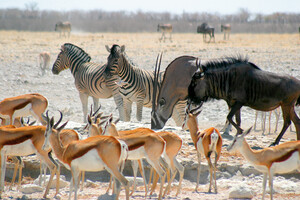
113, 59
177, 78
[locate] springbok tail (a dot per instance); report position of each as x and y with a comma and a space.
298, 101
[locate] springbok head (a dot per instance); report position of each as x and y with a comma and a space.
237, 142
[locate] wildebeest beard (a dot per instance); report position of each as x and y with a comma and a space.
191, 91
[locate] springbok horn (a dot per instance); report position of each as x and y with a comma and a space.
96, 111
155, 84
195, 109
61, 115
91, 112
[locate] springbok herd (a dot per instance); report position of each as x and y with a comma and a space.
108, 148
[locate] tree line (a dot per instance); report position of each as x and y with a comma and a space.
33, 19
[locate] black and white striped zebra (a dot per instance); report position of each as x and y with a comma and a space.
90, 79
137, 84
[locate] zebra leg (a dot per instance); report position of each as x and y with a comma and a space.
127, 105
179, 113
96, 103
84, 102
139, 109
119, 101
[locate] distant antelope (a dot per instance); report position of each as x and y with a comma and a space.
63, 27
280, 159
44, 61
206, 142
165, 28
206, 29
264, 117
226, 28
28, 104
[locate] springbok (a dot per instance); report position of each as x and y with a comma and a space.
226, 28
63, 27
280, 159
165, 28
206, 142
44, 61
142, 143
87, 155
25, 141
23, 105
204, 28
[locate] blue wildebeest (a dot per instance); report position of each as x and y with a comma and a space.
90, 79
63, 27
165, 28
235, 80
204, 28
226, 28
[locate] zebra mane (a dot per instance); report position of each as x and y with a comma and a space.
79, 51
225, 62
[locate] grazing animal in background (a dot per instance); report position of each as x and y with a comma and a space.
165, 28
90, 79
139, 84
226, 28
21, 106
63, 28
263, 120
44, 61
235, 80
205, 29
282, 158
87, 155
206, 143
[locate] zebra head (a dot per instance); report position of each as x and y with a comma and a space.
114, 59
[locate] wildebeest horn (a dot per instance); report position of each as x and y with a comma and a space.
155, 84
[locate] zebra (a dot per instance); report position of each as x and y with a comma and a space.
226, 28
90, 79
137, 84
204, 28
63, 27
165, 28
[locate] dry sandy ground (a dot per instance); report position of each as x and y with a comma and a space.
273, 52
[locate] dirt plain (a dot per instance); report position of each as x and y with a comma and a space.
279, 53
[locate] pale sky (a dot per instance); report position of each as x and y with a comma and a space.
172, 6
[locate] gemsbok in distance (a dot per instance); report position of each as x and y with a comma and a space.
63, 28
21, 106
206, 142
226, 29
282, 158
87, 155
165, 28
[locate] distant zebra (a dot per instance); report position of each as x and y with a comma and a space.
165, 28
89, 77
206, 29
138, 84
63, 27
226, 28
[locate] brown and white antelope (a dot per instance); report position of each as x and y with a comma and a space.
63, 27
44, 61
142, 143
90, 154
206, 142
226, 28
165, 28
279, 159
28, 104
25, 141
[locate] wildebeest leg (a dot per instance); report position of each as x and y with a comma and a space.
286, 123
235, 110
295, 119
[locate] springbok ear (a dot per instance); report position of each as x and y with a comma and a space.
51, 122
62, 126
122, 48
116, 121
89, 120
107, 48
31, 123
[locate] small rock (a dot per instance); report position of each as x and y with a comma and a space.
31, 188
62, 182
241, 192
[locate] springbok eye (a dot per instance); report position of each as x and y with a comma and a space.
162, 102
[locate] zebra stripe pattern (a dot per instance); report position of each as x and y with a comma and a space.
90, 79
137, 84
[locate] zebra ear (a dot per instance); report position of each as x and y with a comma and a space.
122, 48
107, 48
